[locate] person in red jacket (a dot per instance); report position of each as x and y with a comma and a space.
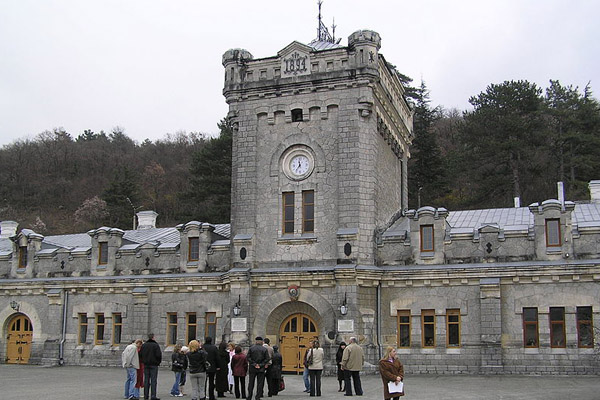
239, 367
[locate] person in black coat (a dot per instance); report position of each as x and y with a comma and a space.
340, 371
151, 356
275, 372
212, 356
258, 358
222, 383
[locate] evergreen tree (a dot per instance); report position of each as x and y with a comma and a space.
574, 124
505, 144
209, 196
426, 172
121, 198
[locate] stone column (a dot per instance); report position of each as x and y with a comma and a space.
491, 326
141, 313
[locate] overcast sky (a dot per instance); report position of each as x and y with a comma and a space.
154, 67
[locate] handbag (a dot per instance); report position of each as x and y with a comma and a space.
281, 384
309, 360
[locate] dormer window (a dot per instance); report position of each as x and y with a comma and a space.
297, 115
22, 256
102, 253
427, 238
194, 249
553, 233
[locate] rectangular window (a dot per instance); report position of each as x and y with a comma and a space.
585, 327
117, 328
530, 327
288, 213
102, 253
99, 336
557, 327
403, 328
171, 329
191, 324
428, 327
453, 328
308, 211
22, 256
194, 249
553, 233
427, 238
210, 327
83, 325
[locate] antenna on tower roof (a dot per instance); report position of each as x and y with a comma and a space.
322, 31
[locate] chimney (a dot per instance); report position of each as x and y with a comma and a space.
560, 187
517, 202
8, 229
146, 220
594, 191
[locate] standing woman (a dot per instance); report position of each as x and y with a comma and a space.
222, 383
391, 370
231, 351
239, 367
340, 371
315, 369
178, 365
197, 374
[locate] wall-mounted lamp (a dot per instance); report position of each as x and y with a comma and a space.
237, 308
14, 305
344, 307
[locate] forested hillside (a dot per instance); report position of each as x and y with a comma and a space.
518, 140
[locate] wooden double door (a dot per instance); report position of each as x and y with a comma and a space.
295, 333
20, 335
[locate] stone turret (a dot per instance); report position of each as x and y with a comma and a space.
234, 61
366, 45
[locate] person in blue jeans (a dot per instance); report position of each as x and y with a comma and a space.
178, 365
305, 373
131, 363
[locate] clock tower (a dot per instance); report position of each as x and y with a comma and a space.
320, 147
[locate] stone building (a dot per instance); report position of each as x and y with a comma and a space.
320, 245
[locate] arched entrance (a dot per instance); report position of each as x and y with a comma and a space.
20, 334
295, 333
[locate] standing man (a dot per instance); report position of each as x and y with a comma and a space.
268, 374
131, 362
258, 358
151, 357
212, 356
352, 362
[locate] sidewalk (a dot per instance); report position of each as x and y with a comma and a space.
69, 383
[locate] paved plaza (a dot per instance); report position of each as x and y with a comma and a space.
69, 383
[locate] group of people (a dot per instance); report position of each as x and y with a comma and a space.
208, 368
223, 369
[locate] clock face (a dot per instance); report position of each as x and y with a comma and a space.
299, 165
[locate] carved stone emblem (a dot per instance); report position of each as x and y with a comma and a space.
293, 291
295, 64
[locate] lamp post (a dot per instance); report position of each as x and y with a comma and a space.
344, 307
237, 307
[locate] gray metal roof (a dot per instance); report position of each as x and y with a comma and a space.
506, 218
323, 45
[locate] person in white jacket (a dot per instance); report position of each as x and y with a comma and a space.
131, 362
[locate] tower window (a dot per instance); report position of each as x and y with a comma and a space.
297, 115
288, 212
308, 211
